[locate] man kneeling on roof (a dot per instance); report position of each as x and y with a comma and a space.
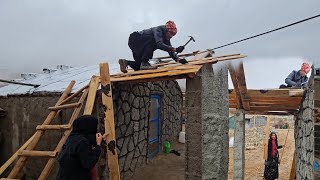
297, 79
144, 43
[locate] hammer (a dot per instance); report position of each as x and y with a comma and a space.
191, 39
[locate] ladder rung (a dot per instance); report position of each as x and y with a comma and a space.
54, 127
66, 106
51, 154
8, 179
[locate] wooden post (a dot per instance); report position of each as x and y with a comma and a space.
94, 83
293, 168
267, 132
107, 102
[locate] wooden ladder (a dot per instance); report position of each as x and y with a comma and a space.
89, 92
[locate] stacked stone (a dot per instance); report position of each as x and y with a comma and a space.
304, 136
131, 112
255, 136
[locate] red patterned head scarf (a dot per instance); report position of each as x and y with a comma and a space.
305, 67
171, 27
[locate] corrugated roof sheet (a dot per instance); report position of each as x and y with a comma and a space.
57, 81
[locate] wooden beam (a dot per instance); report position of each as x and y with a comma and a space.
54, 127
38, 153
146, 77
293, 168
266, 139
107, 102
75, 94
94, 83
65, 106
243, 87
22, 160
236, 86
20, 83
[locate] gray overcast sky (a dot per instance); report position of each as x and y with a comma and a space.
43, 33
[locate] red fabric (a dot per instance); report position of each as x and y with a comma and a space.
305, 67
274, 147
171, 27
94, 173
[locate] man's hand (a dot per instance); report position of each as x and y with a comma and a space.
99, 138
182, 61
179, 49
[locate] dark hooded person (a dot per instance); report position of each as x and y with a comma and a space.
144, 43
271, 170
81, 151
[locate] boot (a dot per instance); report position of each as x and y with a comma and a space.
123, 65
147, 66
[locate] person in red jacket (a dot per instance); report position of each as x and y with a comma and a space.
144, 43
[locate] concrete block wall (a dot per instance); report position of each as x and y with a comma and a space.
207, 141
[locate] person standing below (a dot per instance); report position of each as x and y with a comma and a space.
144, 43
81, 151
271, 170
297, 79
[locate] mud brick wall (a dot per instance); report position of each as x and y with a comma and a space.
304, 135
24, 113
131, 104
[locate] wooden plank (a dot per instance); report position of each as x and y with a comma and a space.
65, 106
266, 139
155, 75
293, 168
93, 87
38, 153
243, 87
75, 94
53, 127
107, 101
48, 167
236, 86
15, 155
22, 160
273, 93
164, 69
182, 76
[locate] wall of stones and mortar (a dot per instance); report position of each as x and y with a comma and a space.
304, 135
131, 104
255, 136
317, 149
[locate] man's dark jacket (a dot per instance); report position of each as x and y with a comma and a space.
155, 37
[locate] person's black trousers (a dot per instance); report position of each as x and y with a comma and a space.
142, 49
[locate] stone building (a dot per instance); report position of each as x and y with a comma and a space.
146, 115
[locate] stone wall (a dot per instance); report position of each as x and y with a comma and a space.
131, 104
255, 136
317, 150
304, 135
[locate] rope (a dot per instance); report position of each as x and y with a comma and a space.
307, 19
285, 142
